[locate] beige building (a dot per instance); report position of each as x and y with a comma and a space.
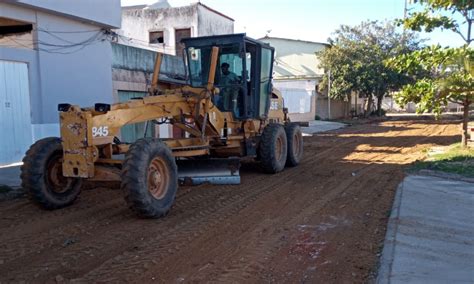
297, 74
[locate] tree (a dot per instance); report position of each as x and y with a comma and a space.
356, 57
441, 14
440, 75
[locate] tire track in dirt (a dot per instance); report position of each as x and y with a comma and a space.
217, 225
59, 233
173, 241
13, 206
237, 268
250, 268
113, 234
282, 178
303, 251
42, 218
105, 227
88, 201
120, 212
255, 253
278, 182
256, 246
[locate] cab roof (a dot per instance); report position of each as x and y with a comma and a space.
218, 40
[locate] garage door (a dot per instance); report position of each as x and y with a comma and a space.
15, 112
297, 100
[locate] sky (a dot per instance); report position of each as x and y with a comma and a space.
312, 20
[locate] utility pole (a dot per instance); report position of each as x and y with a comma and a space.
329, 92
405, 11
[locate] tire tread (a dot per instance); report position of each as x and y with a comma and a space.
134, 184
267, 148
32, 174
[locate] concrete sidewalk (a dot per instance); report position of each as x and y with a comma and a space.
430, 235
316, 126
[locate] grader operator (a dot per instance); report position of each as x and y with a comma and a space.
242, 117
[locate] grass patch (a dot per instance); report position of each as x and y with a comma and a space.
454, 159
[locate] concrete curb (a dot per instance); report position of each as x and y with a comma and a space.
10, 192
386, 260
13, 193
10, 176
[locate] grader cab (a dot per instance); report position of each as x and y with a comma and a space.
228, 110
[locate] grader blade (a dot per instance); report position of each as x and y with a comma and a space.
212, 171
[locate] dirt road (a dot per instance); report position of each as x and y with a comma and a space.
323, 221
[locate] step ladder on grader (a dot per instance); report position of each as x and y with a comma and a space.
227, 114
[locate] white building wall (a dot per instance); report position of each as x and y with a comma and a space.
82, 75
211, 23
309, 85
137, 24
296, 74
101, 12
295, 59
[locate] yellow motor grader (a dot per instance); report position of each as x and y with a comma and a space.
226, 114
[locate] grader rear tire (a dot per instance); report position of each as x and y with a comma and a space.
273, 148
42, 175
149, 178
295, 144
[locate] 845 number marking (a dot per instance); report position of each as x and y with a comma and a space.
100, 131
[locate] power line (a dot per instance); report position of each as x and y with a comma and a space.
42, 49
100, 35
57, 37
67, 32
71, 44
56, 48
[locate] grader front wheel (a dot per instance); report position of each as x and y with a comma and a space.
149, 178
42, 175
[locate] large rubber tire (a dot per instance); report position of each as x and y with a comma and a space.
149, 178
273, 148
294, 137
41, 175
